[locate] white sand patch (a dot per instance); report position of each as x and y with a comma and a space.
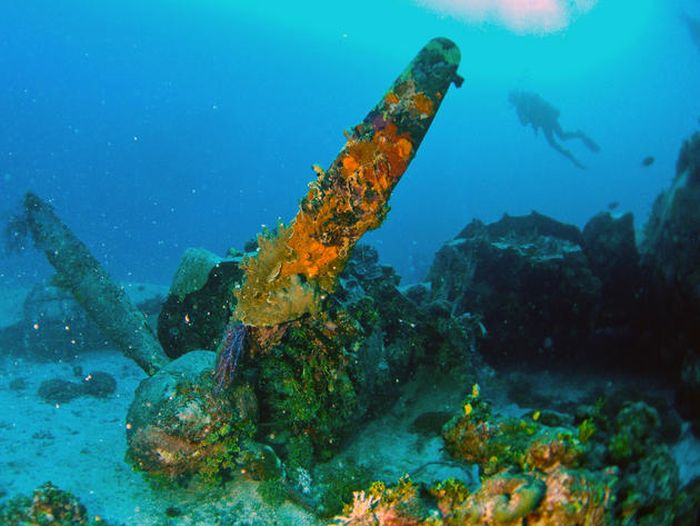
389, 446
80, 445
523, 16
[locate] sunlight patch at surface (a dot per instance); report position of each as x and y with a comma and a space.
521, 16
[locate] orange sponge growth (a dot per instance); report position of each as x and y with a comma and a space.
295, 268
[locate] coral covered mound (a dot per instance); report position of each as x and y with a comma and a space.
48, 506
609, 470
179, 425
300, 263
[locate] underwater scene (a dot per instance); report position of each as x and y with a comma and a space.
370, 263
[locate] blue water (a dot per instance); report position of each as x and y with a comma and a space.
154, 126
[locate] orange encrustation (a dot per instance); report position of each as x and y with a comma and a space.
296, 266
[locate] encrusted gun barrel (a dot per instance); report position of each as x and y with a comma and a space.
298, 264
104, 301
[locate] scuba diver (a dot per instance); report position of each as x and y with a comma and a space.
538, 113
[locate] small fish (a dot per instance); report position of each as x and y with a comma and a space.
272, 276
613, 205
648, 161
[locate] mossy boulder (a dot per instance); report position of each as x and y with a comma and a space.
181, 424
649, 489
99, 384
59, 391
306, 382
636, 429
193, 272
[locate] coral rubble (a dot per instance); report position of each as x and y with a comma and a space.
536, 474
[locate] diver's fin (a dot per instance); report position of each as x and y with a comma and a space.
590, 143
559, 148
577, 163
566, 153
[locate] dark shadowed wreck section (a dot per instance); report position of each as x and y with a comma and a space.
671, 258
545, 292
549, 294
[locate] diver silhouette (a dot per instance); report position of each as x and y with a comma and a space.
538, 113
